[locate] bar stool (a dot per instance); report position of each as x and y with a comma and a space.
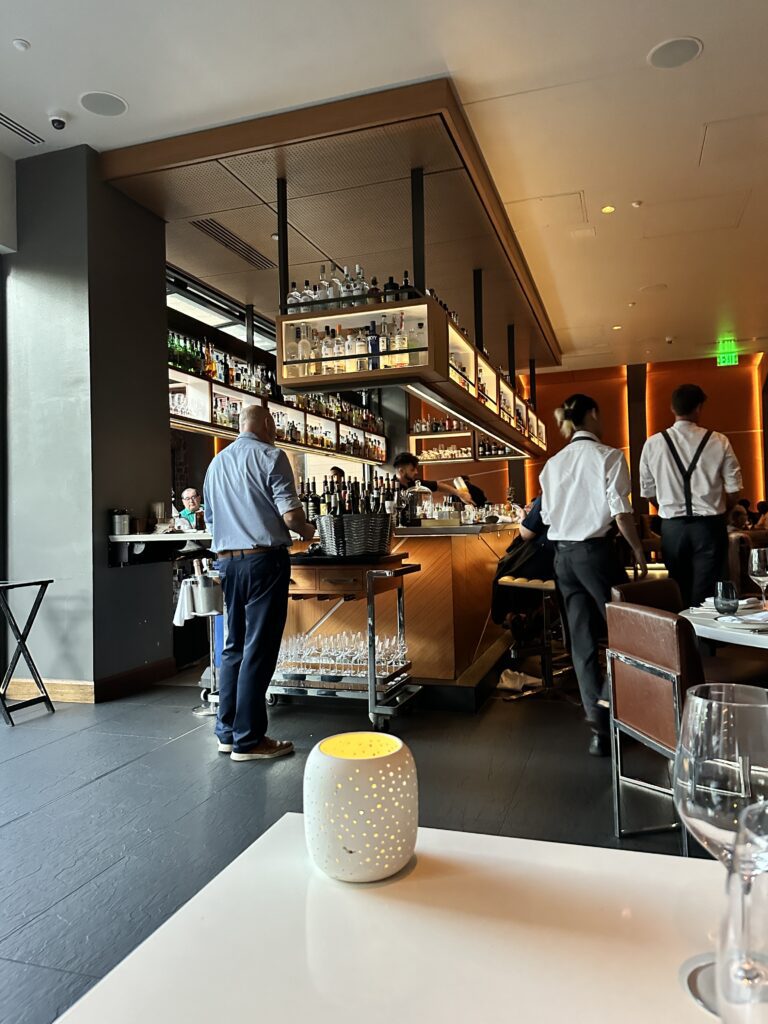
546, 588
20, 635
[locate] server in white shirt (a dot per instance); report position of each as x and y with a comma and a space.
585, 489
693, 477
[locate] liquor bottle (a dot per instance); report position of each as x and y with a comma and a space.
373, 346
304, 350
391, 290
322, 288
347, 289
401, 344
388, 498
416, 342
350, 348
293, 298
326, 351
314, 502
334, 288
374, 292
339, 350
290, 368
306, 299
384, 342
405, 288
361, 349
315, 366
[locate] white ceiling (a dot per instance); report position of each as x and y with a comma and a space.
567, 112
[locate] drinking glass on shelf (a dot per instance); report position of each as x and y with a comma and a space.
721, 767
742, 954
758, 568
726, 598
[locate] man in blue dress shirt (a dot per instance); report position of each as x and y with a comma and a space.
251, 504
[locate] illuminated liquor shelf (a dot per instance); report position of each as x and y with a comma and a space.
410, 344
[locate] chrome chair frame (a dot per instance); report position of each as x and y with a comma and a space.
618, 727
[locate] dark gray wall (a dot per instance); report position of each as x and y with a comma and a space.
87, 412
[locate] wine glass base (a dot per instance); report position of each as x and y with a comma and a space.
697, 976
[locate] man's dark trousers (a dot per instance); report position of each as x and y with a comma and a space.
695, 552
256, 595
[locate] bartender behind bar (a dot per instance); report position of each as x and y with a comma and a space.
407, 470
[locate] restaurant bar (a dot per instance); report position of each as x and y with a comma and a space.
383, 551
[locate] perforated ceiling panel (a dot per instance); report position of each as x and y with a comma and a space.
194, 191
348, 161
256, 225
200, 256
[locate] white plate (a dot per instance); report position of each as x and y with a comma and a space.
744, 602
755, 627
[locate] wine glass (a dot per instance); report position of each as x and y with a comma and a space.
726, 598
721, 767
758, 568
742, 954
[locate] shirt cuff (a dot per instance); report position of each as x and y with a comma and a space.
288, 505
619, 505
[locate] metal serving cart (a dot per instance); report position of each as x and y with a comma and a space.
358, 578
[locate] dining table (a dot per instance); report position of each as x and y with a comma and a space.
707, 628
475, 928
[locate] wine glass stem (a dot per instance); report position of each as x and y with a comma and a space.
762, 591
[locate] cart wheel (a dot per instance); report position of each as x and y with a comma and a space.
380, 723
271, 700
204, 695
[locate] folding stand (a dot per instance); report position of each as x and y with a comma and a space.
20, 636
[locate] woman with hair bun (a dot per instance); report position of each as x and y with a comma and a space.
585, 489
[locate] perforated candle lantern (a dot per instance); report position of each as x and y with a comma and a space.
361, 806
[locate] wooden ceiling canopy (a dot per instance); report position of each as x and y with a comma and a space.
347, 165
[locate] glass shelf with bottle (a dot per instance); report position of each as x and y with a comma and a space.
289, 424
333, 407
487, 384
447, 453
461, 361
521, 416
188, 396
375, 447
321, 433
201, 359
342, 290
490, 448
438, 426
355, 342
506, 402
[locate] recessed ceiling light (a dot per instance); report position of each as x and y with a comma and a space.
673, 53
631, 304
105, 104
616, 327
636, 204
274, 236
608, 209
22, 44
661, 287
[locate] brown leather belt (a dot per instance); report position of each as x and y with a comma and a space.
245, 551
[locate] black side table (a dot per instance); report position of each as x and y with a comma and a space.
22, 650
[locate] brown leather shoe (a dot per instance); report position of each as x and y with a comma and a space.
266, 749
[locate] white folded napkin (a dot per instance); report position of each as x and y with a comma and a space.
744, 602
756, 617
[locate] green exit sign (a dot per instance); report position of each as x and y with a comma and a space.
728, 359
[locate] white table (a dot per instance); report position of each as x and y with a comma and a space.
709, 630
482, 929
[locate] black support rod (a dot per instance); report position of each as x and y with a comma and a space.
511, 356
532, 383
249, 328
477, 293
282, 242
418, 242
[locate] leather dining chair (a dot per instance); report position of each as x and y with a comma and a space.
732, 664
652, 661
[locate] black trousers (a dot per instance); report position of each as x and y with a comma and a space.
695, 552
256, 594
585, 571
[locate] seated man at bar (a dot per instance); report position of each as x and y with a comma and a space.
251, 505
407, 469
193, 504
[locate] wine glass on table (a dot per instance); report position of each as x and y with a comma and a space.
758, 569
721, 767
742, 954
726, 598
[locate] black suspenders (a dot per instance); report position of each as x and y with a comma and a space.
686, 474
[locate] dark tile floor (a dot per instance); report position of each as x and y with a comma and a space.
111, 817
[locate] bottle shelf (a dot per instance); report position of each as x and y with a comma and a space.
436, 435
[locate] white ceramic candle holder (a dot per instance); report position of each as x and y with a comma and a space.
361, 806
